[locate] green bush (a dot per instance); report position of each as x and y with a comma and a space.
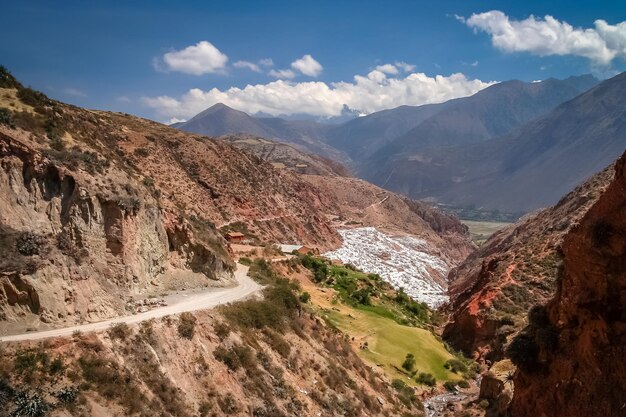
222, 330
523, 350
450, 385
409, 362
6, 118
278, 343
245, 261
362, 296
236, 357
119, 331
406, 394
33, 98
463, 384
228, 404
276, 310
317, 266
186, 325
108, 380
7, 80
66, 395
455, 365
56, 366
426, 379
6, 391
305, 297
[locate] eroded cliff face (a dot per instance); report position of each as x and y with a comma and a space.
579, 370
76, 247
493, 289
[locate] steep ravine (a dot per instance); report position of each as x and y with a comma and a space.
493, 289
572, 359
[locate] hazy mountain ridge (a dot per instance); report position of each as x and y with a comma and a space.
537, 162
415, 163
431, 151
220, 119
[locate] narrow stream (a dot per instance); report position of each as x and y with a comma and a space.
437, 405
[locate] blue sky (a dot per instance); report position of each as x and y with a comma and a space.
111, 55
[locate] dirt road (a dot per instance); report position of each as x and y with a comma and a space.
199, 301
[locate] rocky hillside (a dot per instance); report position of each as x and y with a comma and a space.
492, 290
121, 207
571, 358
98, 207
77, 244
265, 357
352, 202
283, 156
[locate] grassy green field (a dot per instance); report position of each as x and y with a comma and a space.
480, 230
369, 311
389, 342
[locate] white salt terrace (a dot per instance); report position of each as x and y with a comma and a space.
402, 261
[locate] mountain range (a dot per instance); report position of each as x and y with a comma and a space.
500, 149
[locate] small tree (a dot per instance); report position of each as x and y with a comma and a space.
186, 325
426, 379
409, 362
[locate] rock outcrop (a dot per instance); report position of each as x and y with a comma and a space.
572, 360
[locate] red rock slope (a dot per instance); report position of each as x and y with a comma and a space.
572, 361
492, 290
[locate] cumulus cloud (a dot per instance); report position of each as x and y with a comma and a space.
247, 65
308, 66
404, 66
201, 58
282, 73
366, 93
549, 36
387, 69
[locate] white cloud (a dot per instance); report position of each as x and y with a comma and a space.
404, 66
308, 66
366, 93
387, 69
549, 36
201, 58
282, 73
266, 62
175, 120
123, 99
247, 65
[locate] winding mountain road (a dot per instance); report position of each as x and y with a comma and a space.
199, 301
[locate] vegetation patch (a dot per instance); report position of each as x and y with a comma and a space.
186, 325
